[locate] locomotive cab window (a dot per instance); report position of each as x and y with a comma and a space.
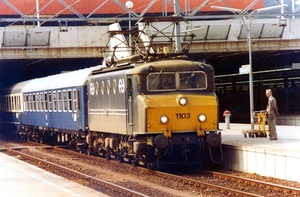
192, 80
161, 81
170, 81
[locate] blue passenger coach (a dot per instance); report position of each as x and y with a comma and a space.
57, 104
11, 107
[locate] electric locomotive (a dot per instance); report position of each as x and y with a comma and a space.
154, 113
153, 107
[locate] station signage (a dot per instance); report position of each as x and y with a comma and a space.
244, 69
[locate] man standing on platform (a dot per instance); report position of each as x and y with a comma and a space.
272, 114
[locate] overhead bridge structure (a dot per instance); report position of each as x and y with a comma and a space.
211, 36
74, 29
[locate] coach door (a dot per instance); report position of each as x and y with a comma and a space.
130, 122
76, 107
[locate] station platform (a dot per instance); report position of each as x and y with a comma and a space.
19, 178
273, 158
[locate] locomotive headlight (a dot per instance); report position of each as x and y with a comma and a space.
202, 117
164, 119
181, 100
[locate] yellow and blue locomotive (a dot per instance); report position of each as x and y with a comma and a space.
152, 113
155, 106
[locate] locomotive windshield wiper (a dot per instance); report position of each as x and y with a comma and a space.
190, 76
156, 78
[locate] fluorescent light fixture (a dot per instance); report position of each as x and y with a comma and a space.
226, 9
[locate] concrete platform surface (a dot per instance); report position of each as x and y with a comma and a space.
275, 158
18, 178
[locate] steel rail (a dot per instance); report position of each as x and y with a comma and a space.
115, 189
261, 184
174, 178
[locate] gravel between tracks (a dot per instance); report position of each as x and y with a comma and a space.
145, 182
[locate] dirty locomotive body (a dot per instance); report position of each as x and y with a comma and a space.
154, 113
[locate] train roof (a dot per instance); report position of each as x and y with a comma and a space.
63, 80
16, 88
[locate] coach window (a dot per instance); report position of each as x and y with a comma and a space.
41, 101
18, 103
7, 103
45, 101
24, 102
78, 100
37, 96
64, 98
70, 100
50, 101
59, 101
34, 102
54, 101
11, 102
14, 102
75, 100
30, 102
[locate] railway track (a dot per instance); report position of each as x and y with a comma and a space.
257, 183
213, 183
196, 184
109, 188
